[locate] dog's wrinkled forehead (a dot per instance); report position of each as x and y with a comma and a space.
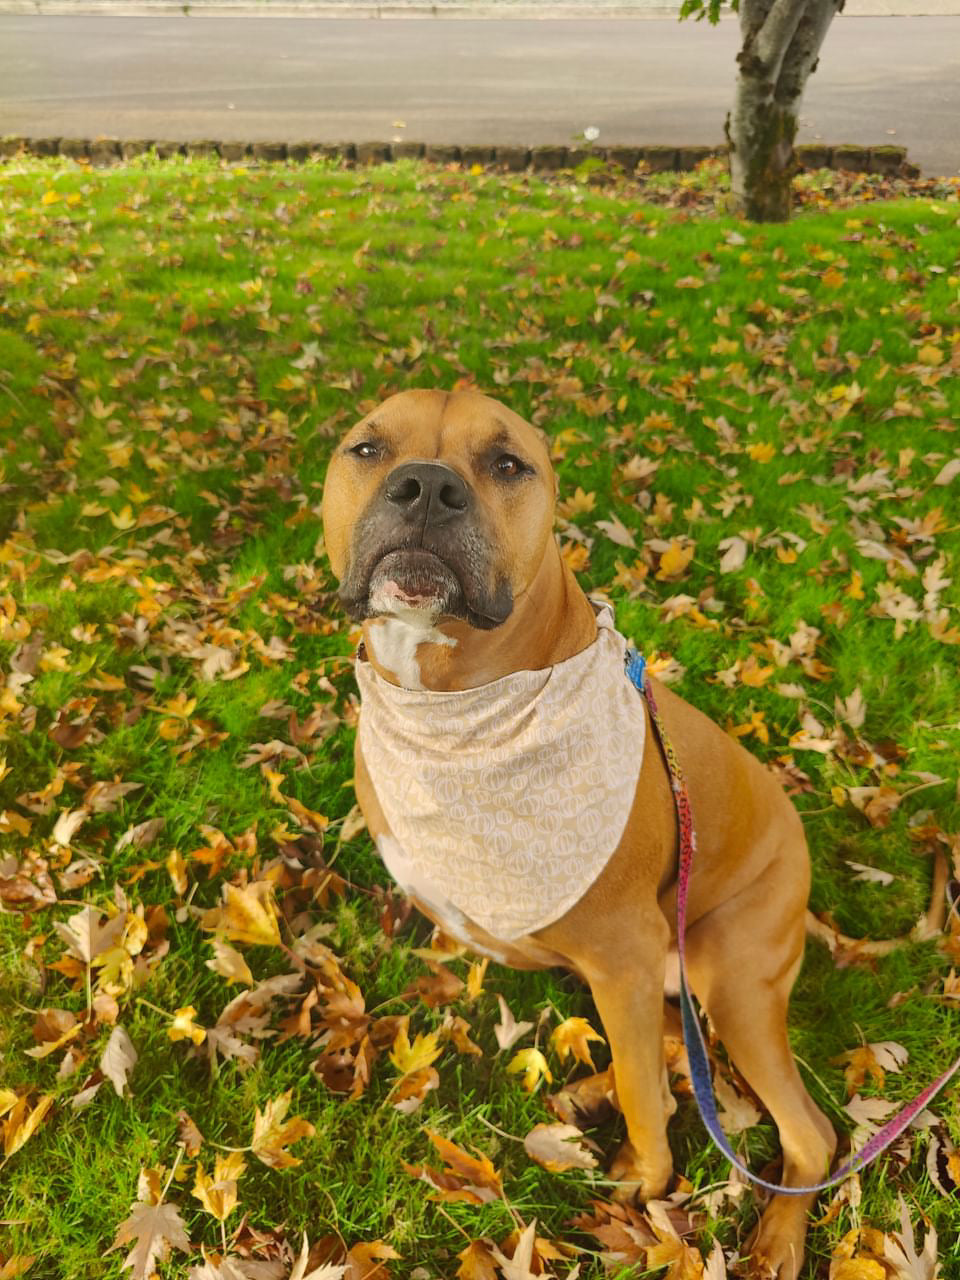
457, 425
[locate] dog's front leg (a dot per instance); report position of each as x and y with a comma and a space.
626, 980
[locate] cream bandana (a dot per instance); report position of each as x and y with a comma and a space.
510, 798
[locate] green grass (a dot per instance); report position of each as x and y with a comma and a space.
194, 339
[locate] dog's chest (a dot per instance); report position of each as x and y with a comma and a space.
505, 803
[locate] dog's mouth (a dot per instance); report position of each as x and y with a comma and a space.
418, 584
414, 580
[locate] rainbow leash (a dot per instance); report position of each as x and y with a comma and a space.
692, 1031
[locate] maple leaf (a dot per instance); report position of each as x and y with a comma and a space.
326, 1271
156, 1228
218, 1194
229, 963
409, 1058
118, 1060
558, 1147
183, 1027
901, 1251
465, 1177
675, 559
476, 1262
738, 1112
247, 916
683, 1261
508, 1031
271, 1134
22, 1122
572, 1036
534, 1067
86, 937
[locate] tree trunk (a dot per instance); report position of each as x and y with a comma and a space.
781, 43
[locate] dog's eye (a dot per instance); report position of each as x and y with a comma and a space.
508, 465
365, 449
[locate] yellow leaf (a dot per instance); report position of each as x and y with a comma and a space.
930, 355
124, 520
23, 1122
408, 1058
475, 978
8, 1099
674, 561
229, 963
833, 278
855, 588
858, 1269
218, 1194
183, 1027
571, 1036
271, 1133
177, 871
50, 197
534, 1066
575, 556
761, 452
34, 323
208, 394
247, 916
786, 555
753, 674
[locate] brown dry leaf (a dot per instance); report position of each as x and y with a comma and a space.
22, 1122
247, 916
870, 1060
683, 1261
465, 1177
189, 1134
412, 1089
458, 1030
622, 1230
508, 1031
156, 1228
858, 1268
53, 1029
17, 1264
443, 987
738, 1112
877, 804
572, 1036
368, 1261
271, 1134
586, 1102
476, 1262
519, 1266
118, 1060
86, 937
558, 1147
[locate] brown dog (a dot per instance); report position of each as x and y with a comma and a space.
438, 516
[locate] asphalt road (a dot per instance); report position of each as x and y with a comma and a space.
259, 79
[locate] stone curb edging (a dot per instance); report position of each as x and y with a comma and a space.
888, 160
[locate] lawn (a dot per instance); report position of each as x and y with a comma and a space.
756, 435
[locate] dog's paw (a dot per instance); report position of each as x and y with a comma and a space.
775, 1250
640, 1180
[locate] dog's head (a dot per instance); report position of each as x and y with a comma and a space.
440, 504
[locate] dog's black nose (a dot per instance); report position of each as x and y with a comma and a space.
427, 492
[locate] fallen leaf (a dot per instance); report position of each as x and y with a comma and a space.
156, 1228
271, 1133
534, 1067
508, 1031
118, 1059
558, 1147
571, 1037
